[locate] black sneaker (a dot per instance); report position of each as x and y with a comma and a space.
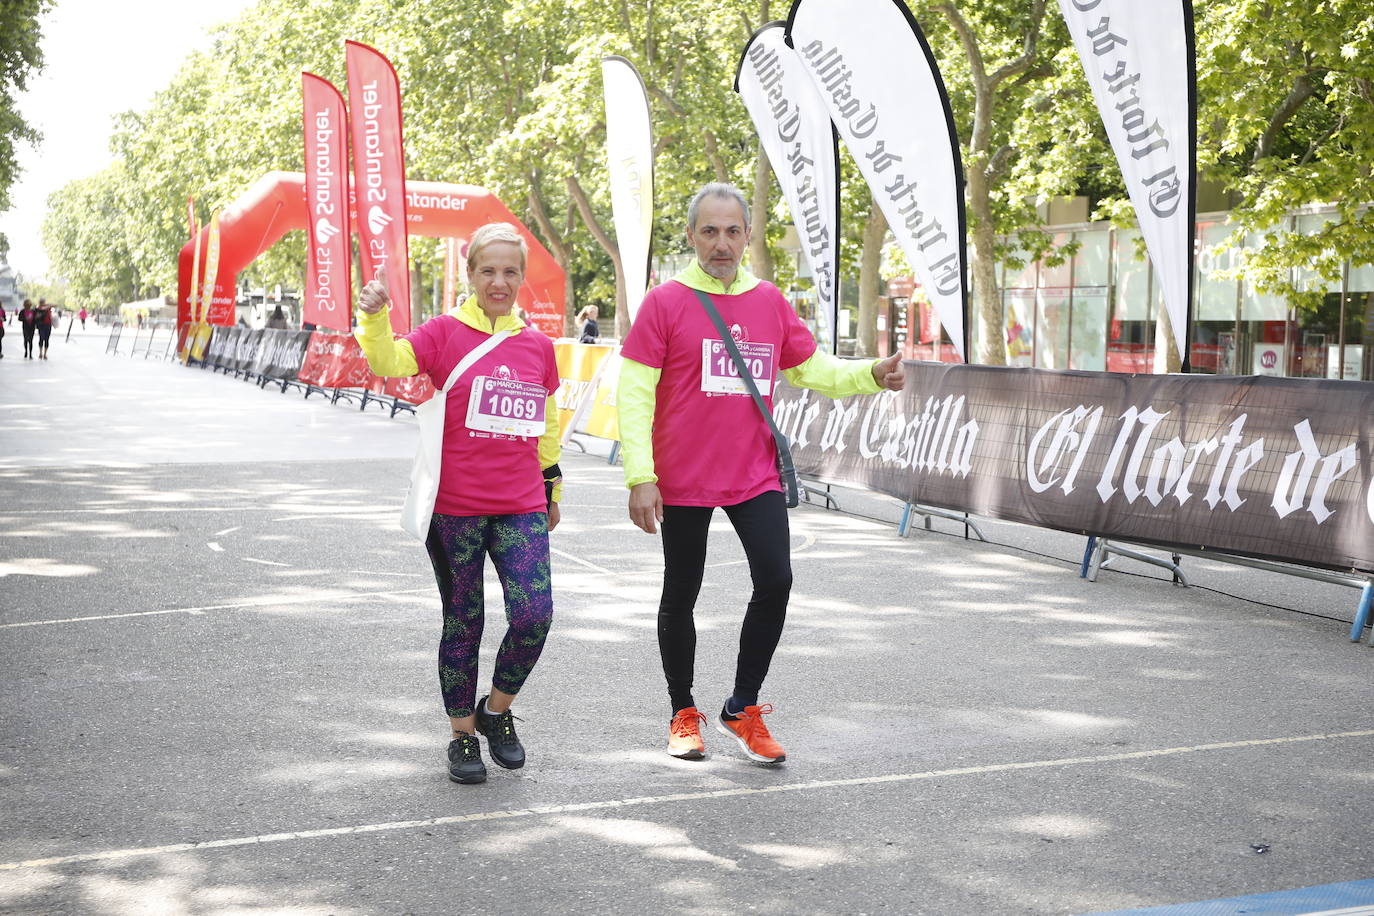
465, 759
499, 730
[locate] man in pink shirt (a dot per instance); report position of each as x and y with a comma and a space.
692, 440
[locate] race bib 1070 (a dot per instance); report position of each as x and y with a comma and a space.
719, 375
507, 407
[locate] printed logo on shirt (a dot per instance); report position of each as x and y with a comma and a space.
506, 373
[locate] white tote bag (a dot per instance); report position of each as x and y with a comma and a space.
429, 455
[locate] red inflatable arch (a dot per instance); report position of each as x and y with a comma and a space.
275, 205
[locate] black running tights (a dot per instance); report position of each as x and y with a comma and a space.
761, 524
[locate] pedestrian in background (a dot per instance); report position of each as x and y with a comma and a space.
45, 323
28, 322
671, 389
498, 492
590, 331
277, 319
82, 315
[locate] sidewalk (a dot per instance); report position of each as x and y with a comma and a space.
217, 670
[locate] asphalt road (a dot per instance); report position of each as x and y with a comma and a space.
217, 670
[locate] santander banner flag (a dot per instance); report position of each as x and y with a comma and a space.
379, 184
794, 126
1139, 61
630, 158
872, 66
329, 279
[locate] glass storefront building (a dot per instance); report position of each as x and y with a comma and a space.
1097, 310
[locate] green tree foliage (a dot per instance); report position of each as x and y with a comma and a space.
507, 94
87, 223
1286, 90
21, 57
1029, 131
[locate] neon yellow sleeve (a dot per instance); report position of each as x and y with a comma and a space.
550, 448
635, 400
834, 377
386, 356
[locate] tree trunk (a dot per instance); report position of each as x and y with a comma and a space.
557, 247
991, 349
603, 238
1167, 358
981, 171
870, 280
714, 157
760, 258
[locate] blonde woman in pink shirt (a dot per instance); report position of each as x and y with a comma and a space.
498, 492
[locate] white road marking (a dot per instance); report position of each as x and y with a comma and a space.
255, 602
610, 804
360, 514
214, 545
581, 562
263, 562
121, 510
227, 531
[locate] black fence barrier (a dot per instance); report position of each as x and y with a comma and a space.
279, 357
216, 348
112, 342
151, 336
1275, 468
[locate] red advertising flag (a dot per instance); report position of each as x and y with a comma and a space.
329, 280
374, 102
415, 390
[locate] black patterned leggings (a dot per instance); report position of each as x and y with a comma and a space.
519, 549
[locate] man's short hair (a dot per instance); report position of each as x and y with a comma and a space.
717, 189
496, 232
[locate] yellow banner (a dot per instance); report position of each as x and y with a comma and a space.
198, 336
577, 371
601, 419
195, 288
207, 294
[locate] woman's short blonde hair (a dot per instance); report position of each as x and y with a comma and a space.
495, 232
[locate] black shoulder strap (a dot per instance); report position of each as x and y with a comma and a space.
789, 475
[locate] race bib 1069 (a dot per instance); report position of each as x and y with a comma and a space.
719, 375
507, 407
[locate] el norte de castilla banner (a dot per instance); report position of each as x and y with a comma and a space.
794, 126
1265, 467
875, 71
1139, 60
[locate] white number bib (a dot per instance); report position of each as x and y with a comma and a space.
507, 407
719, 374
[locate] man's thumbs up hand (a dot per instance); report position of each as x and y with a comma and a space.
374, 296
889, 373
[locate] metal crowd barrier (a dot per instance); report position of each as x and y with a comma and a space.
112, 342
1099, 553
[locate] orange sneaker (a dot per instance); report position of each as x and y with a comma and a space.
748, 729
684, 734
